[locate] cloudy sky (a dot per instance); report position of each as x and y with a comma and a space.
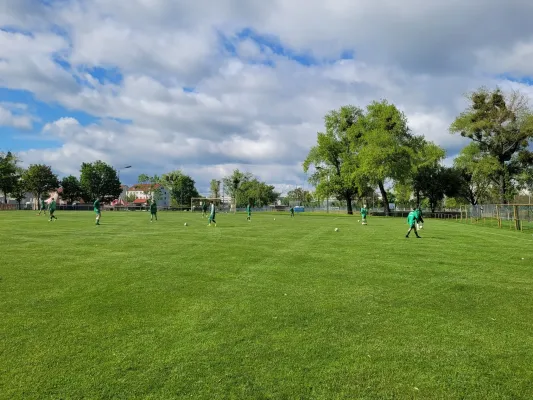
209, 86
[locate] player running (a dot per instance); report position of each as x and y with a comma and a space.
42, 207
52, 210
204, 209
153, 211
364, 213
411, 221
292, 212
212, 215
249, 211
97, 211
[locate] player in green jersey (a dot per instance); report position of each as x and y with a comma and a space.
292, 212
97, 211
204, 209
52, 210
249, 211
411, 221
364, 213
212, 215
419, 219
153, 211
42, 207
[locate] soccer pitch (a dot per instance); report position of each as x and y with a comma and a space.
271, 309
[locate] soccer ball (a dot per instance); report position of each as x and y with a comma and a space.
336, 229
274, 219
185, 224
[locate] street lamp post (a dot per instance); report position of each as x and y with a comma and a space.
118, 173
120, 169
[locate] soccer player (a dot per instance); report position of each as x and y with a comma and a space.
249, 211
411, 221
97, 211
204, 209
212, 214
52, 210
419, 219
42, 208
292, 212
364, 213
153, 211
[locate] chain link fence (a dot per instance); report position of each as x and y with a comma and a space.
504, 216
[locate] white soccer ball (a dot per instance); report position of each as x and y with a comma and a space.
274, 219
185, 224
336, 229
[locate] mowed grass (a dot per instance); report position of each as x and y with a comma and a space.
272, 309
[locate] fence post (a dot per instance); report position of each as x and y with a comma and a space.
517, 218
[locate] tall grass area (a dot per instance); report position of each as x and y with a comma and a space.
277, 308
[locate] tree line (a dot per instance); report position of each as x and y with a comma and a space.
99, 180
360, 152
364, 151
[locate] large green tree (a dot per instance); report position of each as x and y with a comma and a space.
39, 180
526, 180
424, 154
8, 173
71, 189
502, 126
256, 193
403, 193
19, 189
383, 146
99, 180
333, 156
301, 195
181, 187
479, 172
214, 188
435, 182
233, 186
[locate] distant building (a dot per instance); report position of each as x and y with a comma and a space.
142, 193
56, 194
124, 193
27, 201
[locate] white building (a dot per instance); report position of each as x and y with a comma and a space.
141, 191
27, 201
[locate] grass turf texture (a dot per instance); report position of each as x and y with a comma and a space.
284, 309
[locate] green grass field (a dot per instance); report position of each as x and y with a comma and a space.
272, 309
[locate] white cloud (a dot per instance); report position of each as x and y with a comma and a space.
243, 113
10, 115
516, 60
26, 62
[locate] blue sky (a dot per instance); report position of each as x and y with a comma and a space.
179, 85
